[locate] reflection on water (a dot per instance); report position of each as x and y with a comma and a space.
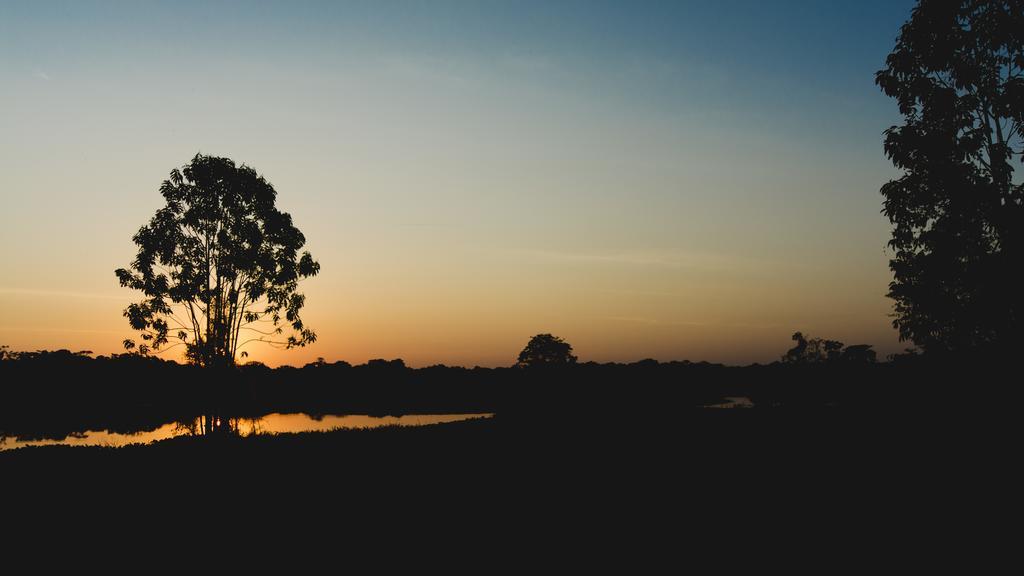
733, 402
269, 424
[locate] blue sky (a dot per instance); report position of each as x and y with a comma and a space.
677, 180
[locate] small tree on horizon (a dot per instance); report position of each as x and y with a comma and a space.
218, 260
546, 350
821, 351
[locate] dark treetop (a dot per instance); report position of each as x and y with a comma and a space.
546, 350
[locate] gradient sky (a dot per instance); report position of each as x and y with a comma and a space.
677, 180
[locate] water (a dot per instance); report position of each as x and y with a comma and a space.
733, 402
269, 424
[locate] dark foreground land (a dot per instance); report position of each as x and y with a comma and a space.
631, 442
585, 490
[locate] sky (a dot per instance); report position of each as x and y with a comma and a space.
670, 180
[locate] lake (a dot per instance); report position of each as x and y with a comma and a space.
269, 424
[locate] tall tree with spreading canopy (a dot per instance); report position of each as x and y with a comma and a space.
218, 265
957, 72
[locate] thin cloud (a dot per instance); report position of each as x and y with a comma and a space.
733, 265
651, 321
528, 62
646, 258
659, 322
646, 293
633, 258
58, 330
60, 294
39, 74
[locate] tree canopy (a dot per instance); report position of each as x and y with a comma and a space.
546, 350
958, 209
820, 350
219, 260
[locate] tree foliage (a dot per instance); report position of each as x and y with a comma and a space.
219, 260
820, 350
958, 210
546, 350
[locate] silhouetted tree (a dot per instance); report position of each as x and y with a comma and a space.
812, 351
957, 72
859, 354
546, 350
796, 354
218, 259
819, 350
